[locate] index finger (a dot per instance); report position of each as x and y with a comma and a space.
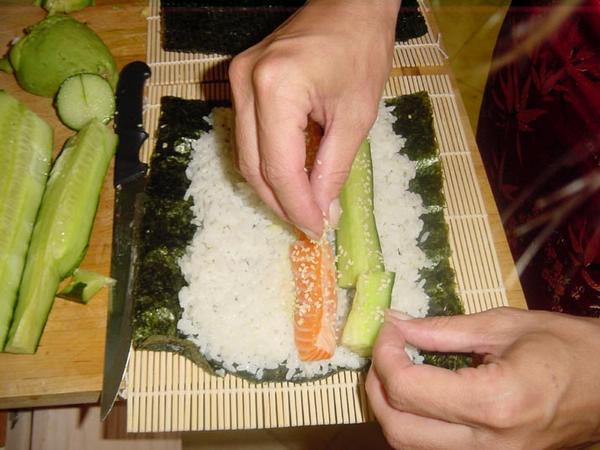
463, 396
281, 121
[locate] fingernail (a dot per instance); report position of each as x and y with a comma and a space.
311, 234
398, 315
335, 212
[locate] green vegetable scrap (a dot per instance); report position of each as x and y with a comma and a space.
84, 285
63, 6
56, 48
5, 65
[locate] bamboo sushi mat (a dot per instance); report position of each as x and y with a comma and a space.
179, 67
166, 392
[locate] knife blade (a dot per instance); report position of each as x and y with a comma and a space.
129, 182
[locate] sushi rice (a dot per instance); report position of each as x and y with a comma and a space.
238, 304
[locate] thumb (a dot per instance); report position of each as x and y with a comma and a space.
489, 332
336, 153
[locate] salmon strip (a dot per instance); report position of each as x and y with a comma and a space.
313, 265
312, 136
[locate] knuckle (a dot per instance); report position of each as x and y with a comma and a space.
269, 72
505, 314
395, 393
239, 68
273, 174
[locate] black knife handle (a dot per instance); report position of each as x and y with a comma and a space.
128, 122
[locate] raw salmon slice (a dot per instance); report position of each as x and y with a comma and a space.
316, 299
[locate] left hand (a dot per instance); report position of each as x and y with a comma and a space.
538, 387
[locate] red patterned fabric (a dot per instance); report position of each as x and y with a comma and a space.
539, 137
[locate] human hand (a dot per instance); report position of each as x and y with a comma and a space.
328, 62
538, 387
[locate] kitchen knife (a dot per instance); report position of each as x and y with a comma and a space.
129, 182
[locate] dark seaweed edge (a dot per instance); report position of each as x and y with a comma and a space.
158, 278
414, 121
199, 26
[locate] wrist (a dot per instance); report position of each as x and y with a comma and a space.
379, 14
387, 8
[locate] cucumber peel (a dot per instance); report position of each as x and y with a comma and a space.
358, 248
63, 6
83, 97
25, 159
62, 230
56, 48
84, 285
373, 296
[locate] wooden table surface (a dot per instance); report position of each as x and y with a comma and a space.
67, 368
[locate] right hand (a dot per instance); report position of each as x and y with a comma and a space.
328, 62
538, 386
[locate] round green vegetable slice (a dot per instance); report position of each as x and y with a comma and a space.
84, 97
56, 48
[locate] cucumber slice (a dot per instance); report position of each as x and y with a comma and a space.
24, 163
84, 97
357, 242
62, 230
84, 285
372, 298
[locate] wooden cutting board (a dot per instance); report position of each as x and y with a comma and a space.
67, 367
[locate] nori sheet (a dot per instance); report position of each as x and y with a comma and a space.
229, 27
166, 228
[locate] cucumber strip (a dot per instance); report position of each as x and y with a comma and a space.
24, 162
84, 285
62, 230
84, 97
372, 298
357, 241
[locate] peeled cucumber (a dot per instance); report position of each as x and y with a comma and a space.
84, 97
357, 242
25, 156
62, 230
373, 296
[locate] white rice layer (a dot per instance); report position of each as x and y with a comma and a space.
238, 304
